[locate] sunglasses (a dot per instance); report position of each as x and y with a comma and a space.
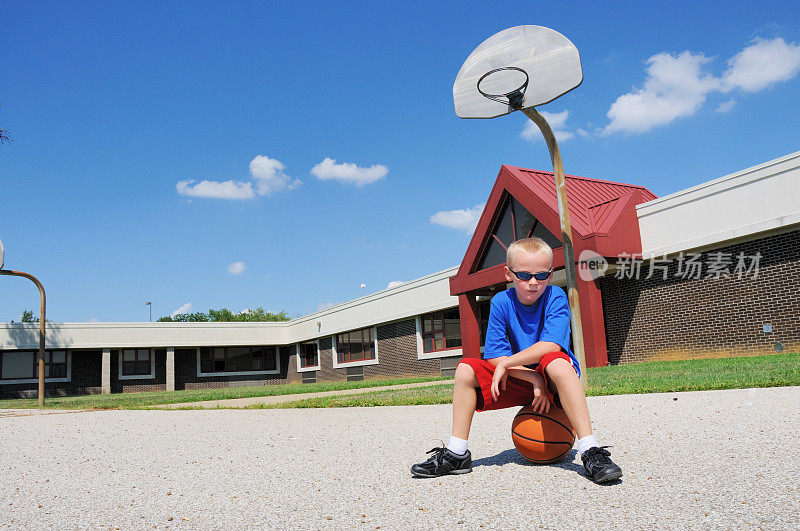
522, 275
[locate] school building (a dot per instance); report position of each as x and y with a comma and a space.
712, 270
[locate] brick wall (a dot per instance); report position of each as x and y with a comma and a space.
138, 385
326, 372
397, 353
677, 318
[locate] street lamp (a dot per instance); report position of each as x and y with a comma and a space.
150, 308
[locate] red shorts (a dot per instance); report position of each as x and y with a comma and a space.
517, 392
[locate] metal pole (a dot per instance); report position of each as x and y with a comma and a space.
566, 237
42, 318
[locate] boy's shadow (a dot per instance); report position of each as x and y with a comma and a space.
513, 456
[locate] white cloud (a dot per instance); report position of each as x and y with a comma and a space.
675, 87
348, 172
464, 219
583, 132
186, 308
266, 175
237, 268
216, 189
394, 284
726, 106
557, 123
762, 64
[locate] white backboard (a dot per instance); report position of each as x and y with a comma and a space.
551, 61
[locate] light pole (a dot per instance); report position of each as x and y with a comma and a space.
150, 308
41, 318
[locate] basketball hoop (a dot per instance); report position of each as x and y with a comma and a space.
514, 98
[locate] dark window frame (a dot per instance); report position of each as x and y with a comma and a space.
49, 365
305, 356
141, 367
435, 318
344, 346
209, 362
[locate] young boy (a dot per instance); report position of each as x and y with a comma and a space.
527, 360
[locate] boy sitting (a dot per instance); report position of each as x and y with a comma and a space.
527, 360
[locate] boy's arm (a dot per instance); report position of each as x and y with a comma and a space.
541, 402
530, 355
497, 343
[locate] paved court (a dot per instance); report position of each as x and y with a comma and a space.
716, 459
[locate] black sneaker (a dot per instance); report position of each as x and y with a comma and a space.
598, 465
443, 462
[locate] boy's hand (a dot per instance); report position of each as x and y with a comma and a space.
499, 380
541, 403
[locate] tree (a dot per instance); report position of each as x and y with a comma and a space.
224, 315
27, 317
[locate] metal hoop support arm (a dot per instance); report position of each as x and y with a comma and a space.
566, 237
42, 304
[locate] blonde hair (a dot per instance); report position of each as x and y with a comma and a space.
529, 245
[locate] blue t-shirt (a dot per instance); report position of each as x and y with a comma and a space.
513, 327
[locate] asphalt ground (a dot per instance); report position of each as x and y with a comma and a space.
710, 459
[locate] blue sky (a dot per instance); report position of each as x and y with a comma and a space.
245, 154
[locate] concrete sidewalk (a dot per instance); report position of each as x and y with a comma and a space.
279, 399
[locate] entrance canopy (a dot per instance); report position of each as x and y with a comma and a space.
523, 203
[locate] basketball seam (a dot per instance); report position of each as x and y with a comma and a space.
543, 442
544, 417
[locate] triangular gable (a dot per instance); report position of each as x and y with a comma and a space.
596, 207
513, 223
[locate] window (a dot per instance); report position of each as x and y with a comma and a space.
238, 359
441, 330
23, 365
308, 354
355, 346
136, 362
514, 223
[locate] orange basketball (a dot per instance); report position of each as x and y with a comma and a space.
542, 437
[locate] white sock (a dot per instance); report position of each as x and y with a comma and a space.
586, 443
457, 446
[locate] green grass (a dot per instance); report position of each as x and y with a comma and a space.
773, 370
434, 394
147, 399
649, 377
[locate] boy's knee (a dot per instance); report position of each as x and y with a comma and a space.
559, 369
465, 374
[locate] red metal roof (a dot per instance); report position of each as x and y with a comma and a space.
591, 201
602, 216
